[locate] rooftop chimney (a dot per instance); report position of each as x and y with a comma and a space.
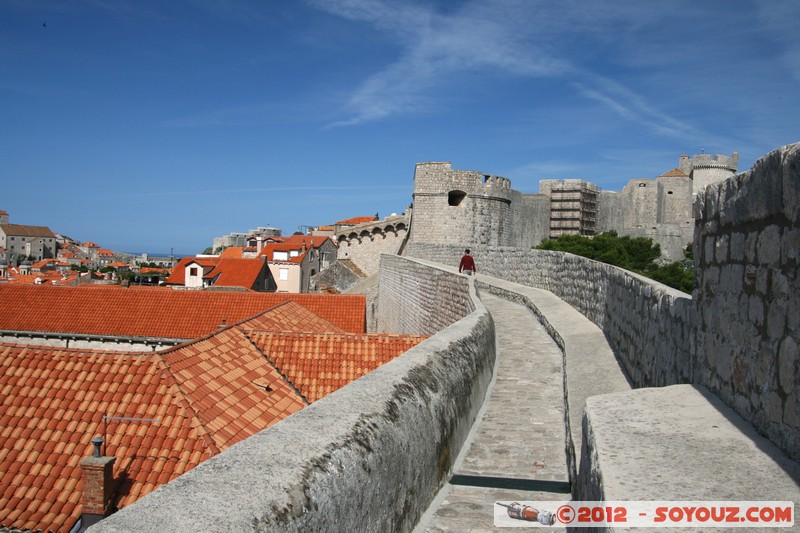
98, 485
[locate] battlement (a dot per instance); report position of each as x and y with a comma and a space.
687, 164
439, 177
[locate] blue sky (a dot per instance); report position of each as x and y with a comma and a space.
151, 125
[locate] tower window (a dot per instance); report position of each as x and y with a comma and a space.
455, 198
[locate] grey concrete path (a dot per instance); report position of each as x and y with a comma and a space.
519, 435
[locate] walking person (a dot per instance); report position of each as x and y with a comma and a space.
467, 265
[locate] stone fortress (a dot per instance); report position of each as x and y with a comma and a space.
472, 208
706, 404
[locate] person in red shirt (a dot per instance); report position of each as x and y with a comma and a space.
467, 265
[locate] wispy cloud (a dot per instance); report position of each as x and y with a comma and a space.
522, 38
435, 46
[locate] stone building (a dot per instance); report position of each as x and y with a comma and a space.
661, 208
36, 242
472, 208
573, 206
468, 208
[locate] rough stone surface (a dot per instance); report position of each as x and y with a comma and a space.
735, 341
679, 443
520, 433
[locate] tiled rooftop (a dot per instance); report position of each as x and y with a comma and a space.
674, 173
355, 221
54, 401
158, 313
178, 275
198, 398
234, 390
236, 272
318, 364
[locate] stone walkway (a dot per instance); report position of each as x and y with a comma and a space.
516, 449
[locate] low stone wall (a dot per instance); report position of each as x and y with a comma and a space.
747, 293
648, 325
369, 457
416, 299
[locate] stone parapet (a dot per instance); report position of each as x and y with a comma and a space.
369, 457
678, 443
747, 294
650, 326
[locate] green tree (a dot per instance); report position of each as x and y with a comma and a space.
637, 254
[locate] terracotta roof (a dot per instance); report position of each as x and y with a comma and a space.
237, 272
270, 248
178, 275
56, 400
47, 277
200, 398
27, 231
182, 314
120, 264
674, 173
290, 316
233, 388
232, 252
318, 364
356, 220
3, 212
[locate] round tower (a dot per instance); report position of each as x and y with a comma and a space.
705, 169
462, 207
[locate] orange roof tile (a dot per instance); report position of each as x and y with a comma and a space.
233, 388
171, 314
232, 252
178, 275
59, 398
356, 220
674, 173
318, 364
200, 398
237, 272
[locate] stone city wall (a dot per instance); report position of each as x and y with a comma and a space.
415, 299
739, 337
369, 457
364, 244
648, 325
747, 250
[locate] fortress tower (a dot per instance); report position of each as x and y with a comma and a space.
460, 207
705, 169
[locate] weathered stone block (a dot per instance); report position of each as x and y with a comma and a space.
768, 248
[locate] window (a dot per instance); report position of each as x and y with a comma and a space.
642, 185
280, 256
294, 253
283, 274
193, 271
455, 198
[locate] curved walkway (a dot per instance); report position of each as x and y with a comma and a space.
516, 451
